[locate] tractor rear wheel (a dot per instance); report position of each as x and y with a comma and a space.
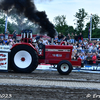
64, 67
24, 59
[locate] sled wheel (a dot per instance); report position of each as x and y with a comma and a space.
64, 67
24, 59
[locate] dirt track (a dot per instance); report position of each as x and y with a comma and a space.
49, 85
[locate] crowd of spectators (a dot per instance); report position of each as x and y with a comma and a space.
88, 51
5, 39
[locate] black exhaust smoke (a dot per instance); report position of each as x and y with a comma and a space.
27, 7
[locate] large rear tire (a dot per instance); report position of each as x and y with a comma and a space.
24, 59
64, 67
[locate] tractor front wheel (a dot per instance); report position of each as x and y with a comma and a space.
64, 67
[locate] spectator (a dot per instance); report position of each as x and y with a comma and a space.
80, 38
65, 38
0, 43
75, 46
83, 46
2, 36
5, 40
98, 47
94, 58
14, 34
97, 44
85, 56
81, 56
72, 38
68, 38
37, 37
90, 48
55, 40
46, 37
89, 59
94, 49
76, 56
79, 49
8, 41
75, 38
60, 37
45, 41
85, 42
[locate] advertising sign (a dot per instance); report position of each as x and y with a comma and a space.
3, 61
5, 48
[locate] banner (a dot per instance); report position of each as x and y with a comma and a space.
5, 48
3, 61
6, 24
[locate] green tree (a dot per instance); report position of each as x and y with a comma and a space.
70, 29
96, 33
95, 28
80, 18
87, 30
95, 21
2, 25
60, 24
2, 22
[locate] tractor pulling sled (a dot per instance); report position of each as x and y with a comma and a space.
24, 57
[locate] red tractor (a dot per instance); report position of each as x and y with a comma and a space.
24, 57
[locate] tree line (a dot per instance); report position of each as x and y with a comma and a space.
81, 21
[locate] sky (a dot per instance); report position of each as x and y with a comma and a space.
68, 8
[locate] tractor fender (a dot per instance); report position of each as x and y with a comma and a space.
29, 44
